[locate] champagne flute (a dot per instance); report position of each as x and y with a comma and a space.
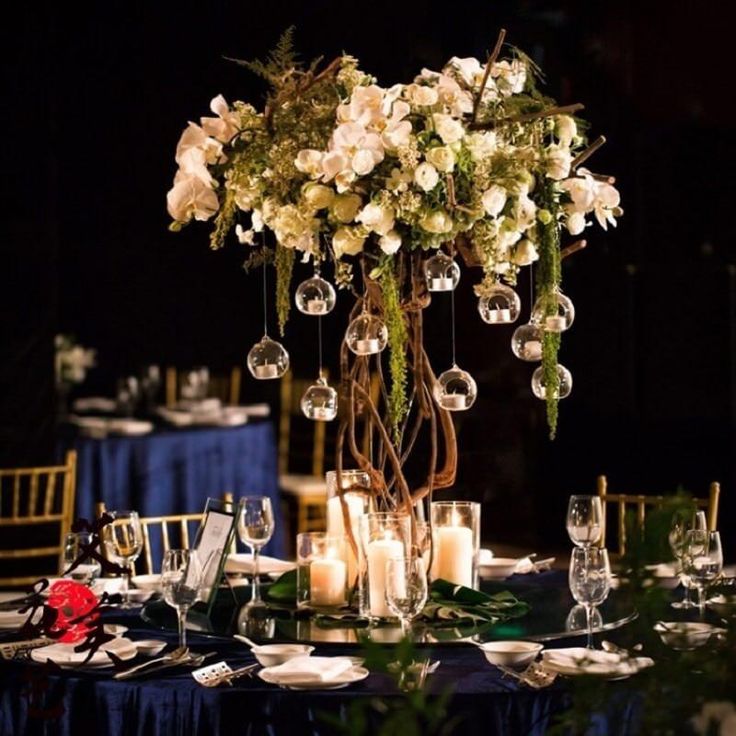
181, 579
255, 528
703, 561
584, 520
406, 589
123, 539
590, 581
682, 523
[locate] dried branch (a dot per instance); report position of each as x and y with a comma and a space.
573, 248
487, 73
588, 152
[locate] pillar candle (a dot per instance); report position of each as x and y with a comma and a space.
442, 283
556, 324
269, 370
316, 306
336, 526
500, 315
327, 582
454, 555
378, 553
454, 401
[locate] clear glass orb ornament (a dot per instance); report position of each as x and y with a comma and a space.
268, 359
319, 402
556, 322
315, 296
500, 306
441, 272
455, 390
366, 335
565, 383
526, 342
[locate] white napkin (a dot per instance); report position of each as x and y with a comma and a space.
243, 562
12, 619
578, 660
94, 403
200, 406
254, 410
311, 669
177, 418
129, 426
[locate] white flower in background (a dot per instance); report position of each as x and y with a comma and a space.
606, 205
345, 207
225, 126
442, 158
458, 101
426, 176
352, 148
309, 162
71, 361
420, 95
365, 106
293, 229
190, 197
558, 161
390, 242
494, 200
510, 76
318, 196
525, 253
437, 221
246, 237
575, 222
716, 717
469, 70
399, 180
397, 130
566, 130
524, 211
195, 151
347, 241
376, 218
480, 145
448, 128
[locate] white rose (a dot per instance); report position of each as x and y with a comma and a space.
318, 196
480, 145
566, 130
309, 162
494, 200
525, 253
442, 158
525, 212
558, 162
421, 95
377, 218
345, 207
390, 242
346, 241
437, 221
448, 128
426, 176
576, 223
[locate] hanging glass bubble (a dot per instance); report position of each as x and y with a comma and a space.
268, 359
319, 402
366, 335
315, 296
555, 322
500, 306
565, 383
526, 342
441, 272
455, 390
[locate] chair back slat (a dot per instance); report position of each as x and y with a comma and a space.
33, 495
50, 493
165, 535
184, 532
147, 548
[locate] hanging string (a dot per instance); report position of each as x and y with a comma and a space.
452, 325
265, 301
319, 343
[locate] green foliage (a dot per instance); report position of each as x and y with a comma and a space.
225, 220
284, 259
279, 62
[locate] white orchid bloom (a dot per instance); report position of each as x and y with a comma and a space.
558, 161
510, 76
606, 205
566, 130
196, 151
309, 162
575, 222
397, 131
344, 180
390, 242
420, 95
582, 191
365, 105
459, 101
191, 197
225, 126
361, 150
470, 70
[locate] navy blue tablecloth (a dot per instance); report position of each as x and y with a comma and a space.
175, 471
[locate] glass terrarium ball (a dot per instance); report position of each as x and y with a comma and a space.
455, 390
319, 402
441, 272
555, 322
268, 359
526, 342
315, 296
565, 383
366, 335
500, 306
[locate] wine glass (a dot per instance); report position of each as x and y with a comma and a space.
181, 579
682, 523
87, 568
584, 520
255, 528
703, 560
590, 581
406, 589
123, 539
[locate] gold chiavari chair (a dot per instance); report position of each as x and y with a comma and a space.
39, 504
641, 502
224, 387
180, 524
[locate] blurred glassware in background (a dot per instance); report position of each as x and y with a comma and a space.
195, 386
127, 396
150, 386
682, 523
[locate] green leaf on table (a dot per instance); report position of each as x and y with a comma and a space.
283, 589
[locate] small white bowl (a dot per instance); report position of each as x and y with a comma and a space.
147, 582
516, 654
150, 647
139, 596
115, 629
499, 567
684, 636
270, 655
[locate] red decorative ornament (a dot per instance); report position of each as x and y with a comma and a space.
72, 601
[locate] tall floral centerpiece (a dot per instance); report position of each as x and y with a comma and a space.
393, 186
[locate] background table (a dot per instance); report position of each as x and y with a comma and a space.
174, 470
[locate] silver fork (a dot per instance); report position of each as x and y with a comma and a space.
177, 654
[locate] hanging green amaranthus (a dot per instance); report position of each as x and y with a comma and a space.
284, 259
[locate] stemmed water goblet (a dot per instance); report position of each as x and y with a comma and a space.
682, 523
123, 540
590, 581
584, 520
255, 528
406, 589
703, 561
79, 565
181, 579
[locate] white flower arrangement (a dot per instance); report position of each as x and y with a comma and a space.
72, 361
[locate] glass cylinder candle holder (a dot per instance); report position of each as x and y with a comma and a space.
355, 490
456, 542
321, 573
383, 536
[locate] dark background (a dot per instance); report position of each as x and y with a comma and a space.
96, 95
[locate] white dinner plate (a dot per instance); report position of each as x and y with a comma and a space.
10, 620
65, 656
243, 563
354, 674
574, 661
